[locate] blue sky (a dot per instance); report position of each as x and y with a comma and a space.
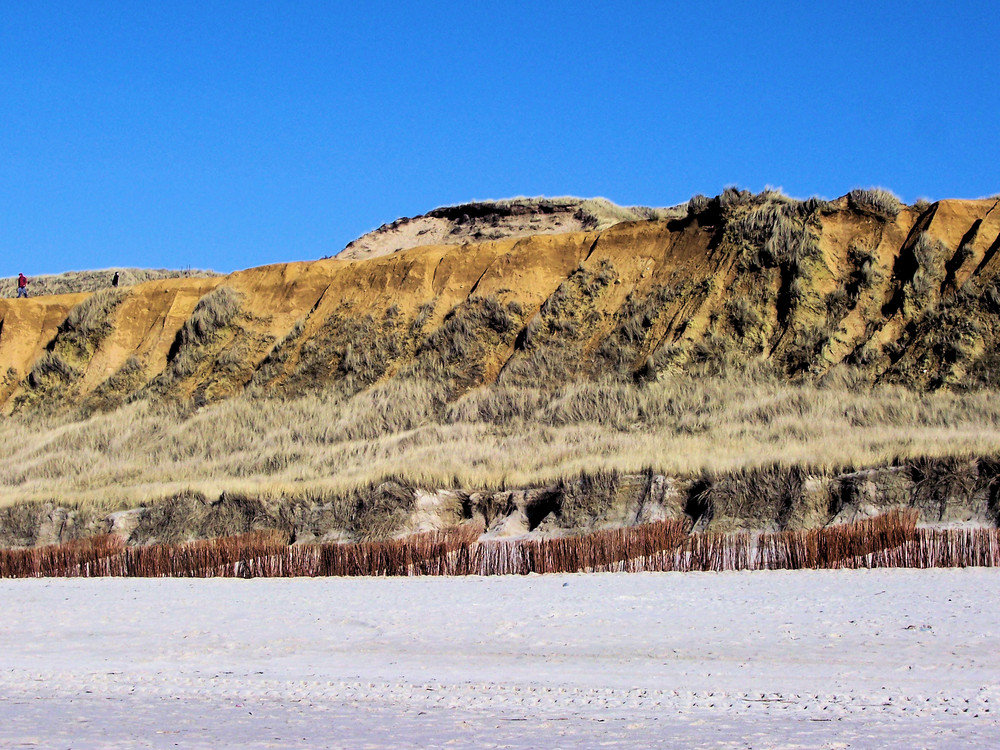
227, 135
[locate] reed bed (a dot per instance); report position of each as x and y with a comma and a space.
227, 556
430, 553
609, 550
888, 541
70, 559
836, 546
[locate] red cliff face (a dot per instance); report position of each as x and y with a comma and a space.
806, 290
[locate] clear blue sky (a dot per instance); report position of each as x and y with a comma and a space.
225, 135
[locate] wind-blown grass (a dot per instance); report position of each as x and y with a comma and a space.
490, 438
878, 201
92, 281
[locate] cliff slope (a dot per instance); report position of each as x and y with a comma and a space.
808, 291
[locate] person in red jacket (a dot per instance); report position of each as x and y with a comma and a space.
22, 285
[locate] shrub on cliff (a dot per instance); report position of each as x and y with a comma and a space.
877, 201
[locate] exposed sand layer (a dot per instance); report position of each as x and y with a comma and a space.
495, 220
640, 298
806, 659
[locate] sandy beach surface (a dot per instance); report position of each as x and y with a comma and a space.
898, 658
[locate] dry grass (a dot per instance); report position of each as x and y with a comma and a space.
92, 281
595, 213
90, 321
212, 316
494, 437
877, 201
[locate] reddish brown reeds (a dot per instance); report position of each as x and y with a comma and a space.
836, 546
943, 548
708, 552
80, 557
623, 549
224, 557
888, 541
430, 553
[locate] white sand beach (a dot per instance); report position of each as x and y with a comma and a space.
899, 658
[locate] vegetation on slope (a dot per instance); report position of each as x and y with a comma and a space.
324, 464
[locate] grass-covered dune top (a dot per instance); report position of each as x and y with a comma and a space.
494, 220
73, 282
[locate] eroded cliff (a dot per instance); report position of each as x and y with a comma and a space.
808, 290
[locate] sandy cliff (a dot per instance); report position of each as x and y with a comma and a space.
854, 292
807, 289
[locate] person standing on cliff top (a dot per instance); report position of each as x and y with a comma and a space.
114, 279
22, 285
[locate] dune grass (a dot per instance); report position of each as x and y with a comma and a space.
490, 438
92, 281
876, 200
